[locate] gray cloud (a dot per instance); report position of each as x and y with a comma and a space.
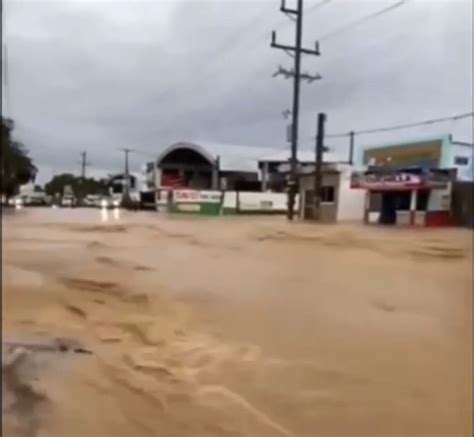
100, 75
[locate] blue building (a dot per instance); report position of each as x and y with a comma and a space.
429, 152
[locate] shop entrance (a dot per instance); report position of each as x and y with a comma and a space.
393, 201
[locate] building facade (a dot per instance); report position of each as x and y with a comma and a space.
206, 167
274, 168
429, 153
411, 196
339, 202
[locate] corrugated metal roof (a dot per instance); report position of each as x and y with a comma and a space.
302, 155
244, 158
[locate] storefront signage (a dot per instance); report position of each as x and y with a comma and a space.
396, 181
195, 196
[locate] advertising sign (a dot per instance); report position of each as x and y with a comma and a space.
399, 180
195, 196
394, 181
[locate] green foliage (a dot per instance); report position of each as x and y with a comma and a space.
79, 187
17, 166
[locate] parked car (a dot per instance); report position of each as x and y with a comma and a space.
92, 200
68, 201
17, 201
109, 202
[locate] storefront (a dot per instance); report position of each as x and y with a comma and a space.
414, 196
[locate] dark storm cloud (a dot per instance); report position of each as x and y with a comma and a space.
98, 76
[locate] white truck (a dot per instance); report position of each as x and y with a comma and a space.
68, 199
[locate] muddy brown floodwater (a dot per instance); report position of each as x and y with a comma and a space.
235, 327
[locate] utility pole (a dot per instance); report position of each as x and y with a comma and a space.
351, 147
84, 164
295, 52
318, 167
5, 89
126, 185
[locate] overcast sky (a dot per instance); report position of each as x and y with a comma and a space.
101, 75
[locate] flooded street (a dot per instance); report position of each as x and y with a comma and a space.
236, 327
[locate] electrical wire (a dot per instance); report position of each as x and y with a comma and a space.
404, 126
317, 5
355, 23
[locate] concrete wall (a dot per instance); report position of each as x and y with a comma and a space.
261, 202
465, 172
245, 202
463, 203
230, 202
440, 200
351, 202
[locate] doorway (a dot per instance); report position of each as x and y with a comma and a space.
393, 201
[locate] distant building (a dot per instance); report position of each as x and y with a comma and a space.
207, 166
339, 202
414, 196
117, 184
430, 153
274, 168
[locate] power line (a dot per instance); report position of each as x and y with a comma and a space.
241, 39
404, 126
355, 23
317, 5
242, 42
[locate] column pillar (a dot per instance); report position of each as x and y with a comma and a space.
265, 176
157, 178
367, 207
413, 200
215, 175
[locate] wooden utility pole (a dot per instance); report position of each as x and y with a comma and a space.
295, 52
318, 166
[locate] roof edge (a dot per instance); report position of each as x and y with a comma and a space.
185, 145
441, 138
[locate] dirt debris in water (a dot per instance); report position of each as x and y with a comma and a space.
303, 331
22, 403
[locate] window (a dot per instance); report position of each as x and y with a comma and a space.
327, 194
461, 160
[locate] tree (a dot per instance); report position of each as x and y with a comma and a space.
79, 187
17, 166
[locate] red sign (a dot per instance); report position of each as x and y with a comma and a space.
172, 181
186, 196
398, 181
